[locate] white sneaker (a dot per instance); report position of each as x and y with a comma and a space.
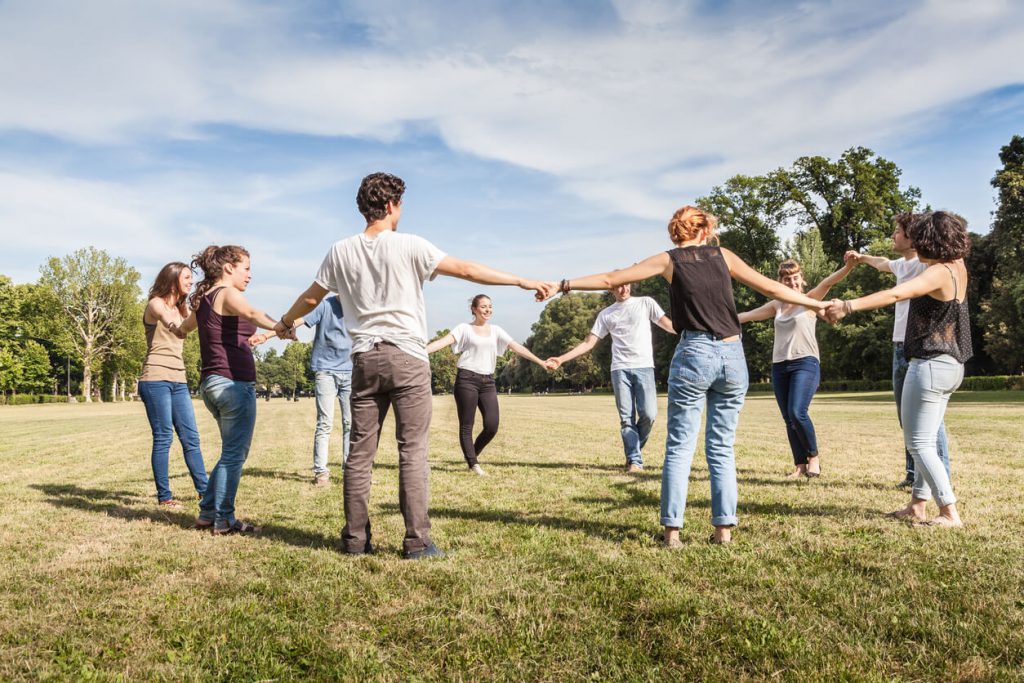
477, 470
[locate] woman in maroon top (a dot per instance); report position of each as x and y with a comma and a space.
226, 321
708, 367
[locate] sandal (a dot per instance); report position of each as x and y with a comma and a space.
170, 503
239, 527
203, 524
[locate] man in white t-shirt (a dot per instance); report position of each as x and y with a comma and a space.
379, 275
628, 322
907, 267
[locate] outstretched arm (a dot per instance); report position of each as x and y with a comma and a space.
929, 281
485, 275
665, 323
760, 313
828, 283
877, 262
307, 301
770, 288
521, 350
236, 304
583, 347
439, 344
659, 264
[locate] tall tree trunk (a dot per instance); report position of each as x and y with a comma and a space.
114, 385
86, 387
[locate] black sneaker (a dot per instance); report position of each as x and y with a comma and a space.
431, 551
906, 483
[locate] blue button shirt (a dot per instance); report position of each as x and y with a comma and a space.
332, 346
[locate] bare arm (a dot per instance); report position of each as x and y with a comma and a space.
187, 325
583, 347
665, 323
770, 288
439, 344
931, 280
306, 302
526, 353
159, 310
236, 304
659, 264
485, 275
760, 313
828, 283
877, 262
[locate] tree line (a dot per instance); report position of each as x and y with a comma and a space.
78, 329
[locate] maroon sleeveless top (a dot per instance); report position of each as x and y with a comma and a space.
224, 342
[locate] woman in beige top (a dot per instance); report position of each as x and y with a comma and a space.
796, 370
162, 384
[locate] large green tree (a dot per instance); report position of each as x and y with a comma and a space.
1002, 316
89, 296
25, 364
564, 323
442, 367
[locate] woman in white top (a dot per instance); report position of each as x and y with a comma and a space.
796, 369
478, 344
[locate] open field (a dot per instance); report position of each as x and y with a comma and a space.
555, 573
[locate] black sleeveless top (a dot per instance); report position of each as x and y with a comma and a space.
701, 292
936, 328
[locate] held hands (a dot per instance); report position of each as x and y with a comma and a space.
544, 290
837, 310
257, 339
853, 258
552, 363
284, 332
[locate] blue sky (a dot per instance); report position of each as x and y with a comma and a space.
548, 138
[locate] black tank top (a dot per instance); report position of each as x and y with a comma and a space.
224, 342
936, 328
701, 292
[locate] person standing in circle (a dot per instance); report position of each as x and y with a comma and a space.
478, 344
162, 384
796, 365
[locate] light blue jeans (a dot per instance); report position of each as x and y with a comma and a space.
637, 402
233, 405
900, 365
926, 393
330, 386
708, 371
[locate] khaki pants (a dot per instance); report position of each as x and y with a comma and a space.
382, 377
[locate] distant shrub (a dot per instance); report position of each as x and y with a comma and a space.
27, 399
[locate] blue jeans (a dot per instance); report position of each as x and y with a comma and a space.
926, 392
900, 364
233, 405
329, 386
169, 409
711, 371
795, 382
637, 402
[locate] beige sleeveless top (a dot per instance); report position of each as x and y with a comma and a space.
794, 334
163, 355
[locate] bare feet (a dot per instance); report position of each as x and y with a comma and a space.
909, 513
671, 539
942, 521
722, 535
813, 466
800, 471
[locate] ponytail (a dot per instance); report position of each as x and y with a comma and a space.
212, 261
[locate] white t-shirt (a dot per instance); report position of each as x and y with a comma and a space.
629, 324
904, 270
379, 281
477, 353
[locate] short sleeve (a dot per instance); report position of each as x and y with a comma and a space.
600, 328
502, 339
326, 277
426, 257
317, 314
656, 311
898, 267
459, 333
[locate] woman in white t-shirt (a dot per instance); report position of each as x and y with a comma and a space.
478, 344
796, 369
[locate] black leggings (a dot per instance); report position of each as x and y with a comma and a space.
474, 390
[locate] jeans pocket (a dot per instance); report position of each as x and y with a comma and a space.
945, 377
693, 366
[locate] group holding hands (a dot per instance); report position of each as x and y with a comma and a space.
378, 276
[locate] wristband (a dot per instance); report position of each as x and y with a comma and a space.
563, 287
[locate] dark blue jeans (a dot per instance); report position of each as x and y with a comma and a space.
795, 382
169, 409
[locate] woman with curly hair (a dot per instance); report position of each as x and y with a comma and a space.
226, 321
708, 367
162, 384
937, 343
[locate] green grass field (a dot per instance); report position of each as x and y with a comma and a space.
554, 574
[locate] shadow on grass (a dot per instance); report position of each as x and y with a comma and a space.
554, 465
121, 505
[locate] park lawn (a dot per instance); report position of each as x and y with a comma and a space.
555, 573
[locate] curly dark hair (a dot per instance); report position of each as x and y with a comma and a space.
940, 235
376, 190
903, 221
